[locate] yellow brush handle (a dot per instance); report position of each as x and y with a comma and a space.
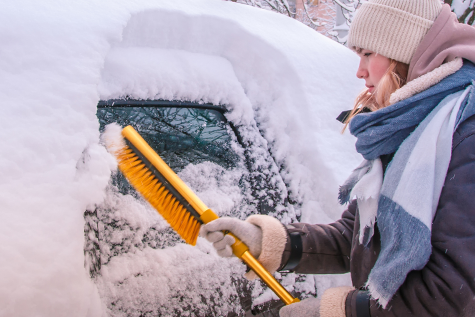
206, 214
242, 251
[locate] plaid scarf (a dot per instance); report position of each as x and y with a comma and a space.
419, 129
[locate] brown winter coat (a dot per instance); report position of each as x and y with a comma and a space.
446, 285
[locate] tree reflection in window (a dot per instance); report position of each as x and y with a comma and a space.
180, 135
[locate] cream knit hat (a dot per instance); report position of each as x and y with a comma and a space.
393, 28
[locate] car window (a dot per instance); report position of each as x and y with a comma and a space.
181, 133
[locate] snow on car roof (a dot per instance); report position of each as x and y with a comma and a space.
54, 67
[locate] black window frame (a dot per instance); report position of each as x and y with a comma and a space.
158, 103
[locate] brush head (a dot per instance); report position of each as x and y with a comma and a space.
154, 187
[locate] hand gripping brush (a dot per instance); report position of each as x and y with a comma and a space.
177, 203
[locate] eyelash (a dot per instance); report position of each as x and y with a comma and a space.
367, 54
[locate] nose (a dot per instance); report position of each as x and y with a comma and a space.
362, 71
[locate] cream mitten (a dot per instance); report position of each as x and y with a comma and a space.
309, 307
264, 235
250, 234
332, 304
333, 301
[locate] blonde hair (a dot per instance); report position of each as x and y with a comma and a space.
394, 78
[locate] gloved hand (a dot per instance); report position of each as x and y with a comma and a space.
250, 234
309, 307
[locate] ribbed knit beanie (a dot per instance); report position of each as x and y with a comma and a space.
393, 28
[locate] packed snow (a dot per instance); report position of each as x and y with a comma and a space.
283, 84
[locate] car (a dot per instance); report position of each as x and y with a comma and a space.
241, 102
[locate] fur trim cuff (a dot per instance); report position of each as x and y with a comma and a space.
333, 301
274, 238
426, 81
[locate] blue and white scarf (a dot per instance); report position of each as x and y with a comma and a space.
420, 130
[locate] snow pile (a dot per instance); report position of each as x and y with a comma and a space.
57, 61
168, 280
51, 164
169, 74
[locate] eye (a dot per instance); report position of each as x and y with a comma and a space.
367, 54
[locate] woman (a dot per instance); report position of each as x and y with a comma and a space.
415, 127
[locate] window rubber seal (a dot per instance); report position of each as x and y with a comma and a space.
157, 103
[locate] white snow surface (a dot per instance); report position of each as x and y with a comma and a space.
459, 6
59, 58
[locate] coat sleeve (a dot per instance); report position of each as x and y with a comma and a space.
446, 285
325, 248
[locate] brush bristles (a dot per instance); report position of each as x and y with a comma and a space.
143, 180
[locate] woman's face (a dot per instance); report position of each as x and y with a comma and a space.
372, 68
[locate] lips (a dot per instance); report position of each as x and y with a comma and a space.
370, 88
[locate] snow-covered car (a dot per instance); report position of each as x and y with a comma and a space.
240, 101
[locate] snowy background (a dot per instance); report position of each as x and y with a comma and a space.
58, 59
333, 18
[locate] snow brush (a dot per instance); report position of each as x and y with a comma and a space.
175, 201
